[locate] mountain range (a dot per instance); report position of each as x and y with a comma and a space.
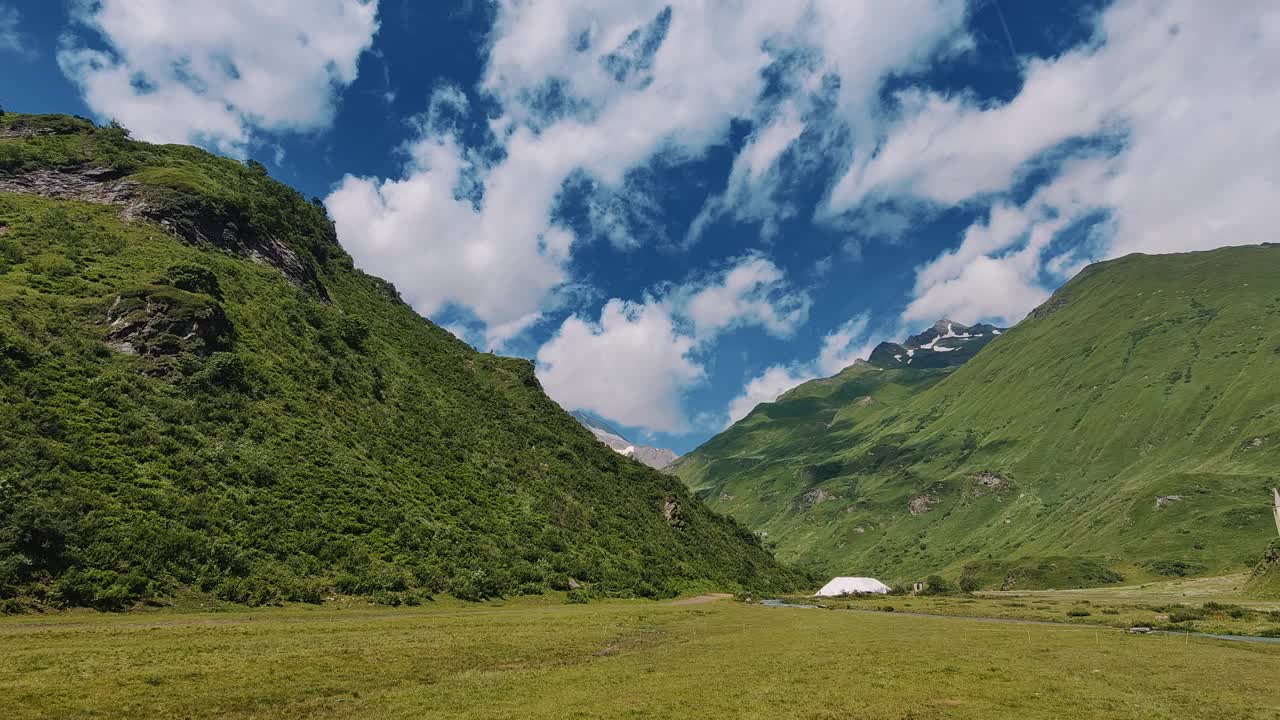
656, 458
199, 392
1127, 429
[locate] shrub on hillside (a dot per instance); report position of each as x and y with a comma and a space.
193, 278
1174, 568
937, 585
225, 371
1187, 614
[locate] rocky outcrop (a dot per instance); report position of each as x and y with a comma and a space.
195, 225
200, 225
813, 497
921, 504
1055, 303
671, 512
990, 482
156, 321
100, 185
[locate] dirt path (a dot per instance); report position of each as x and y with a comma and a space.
701, 599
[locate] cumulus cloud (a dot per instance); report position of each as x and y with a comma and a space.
995, 272
844, 345
849, 48
425, 233
753, 291
637, 361
213, 73
631, 366
589, 91
1182, 91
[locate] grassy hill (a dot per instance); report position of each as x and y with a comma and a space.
1129, 427
197, 389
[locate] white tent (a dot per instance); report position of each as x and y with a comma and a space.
851, 585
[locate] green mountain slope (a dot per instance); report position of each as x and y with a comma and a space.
1130, 426
198, 389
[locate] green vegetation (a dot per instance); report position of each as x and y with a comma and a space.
1264, 581
1218, 617
616, 659
197, 390
1127, 430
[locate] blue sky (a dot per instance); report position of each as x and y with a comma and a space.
681, 209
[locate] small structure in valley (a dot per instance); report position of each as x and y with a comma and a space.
852, 586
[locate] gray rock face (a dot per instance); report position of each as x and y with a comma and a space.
193, 225
103, 186
813, 497
671, 512
156, 321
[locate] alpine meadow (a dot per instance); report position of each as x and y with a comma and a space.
1127, 430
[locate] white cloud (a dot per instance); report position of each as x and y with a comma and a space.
754, 179
1188, 89
632, 366
425, 235
860, 43
11, 39
636, 363
594, 90
842, 346
213, 73
949, 149
751, 292
995, 273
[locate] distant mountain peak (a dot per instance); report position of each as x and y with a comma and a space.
946, 343
654, 457
944, 324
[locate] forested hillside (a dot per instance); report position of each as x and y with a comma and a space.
198, 390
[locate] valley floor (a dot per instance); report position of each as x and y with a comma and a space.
1202, 605
531, 659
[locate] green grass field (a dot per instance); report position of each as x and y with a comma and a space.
1214, 605
620, 659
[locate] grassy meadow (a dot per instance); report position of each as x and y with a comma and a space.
535, 658
1200, 605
